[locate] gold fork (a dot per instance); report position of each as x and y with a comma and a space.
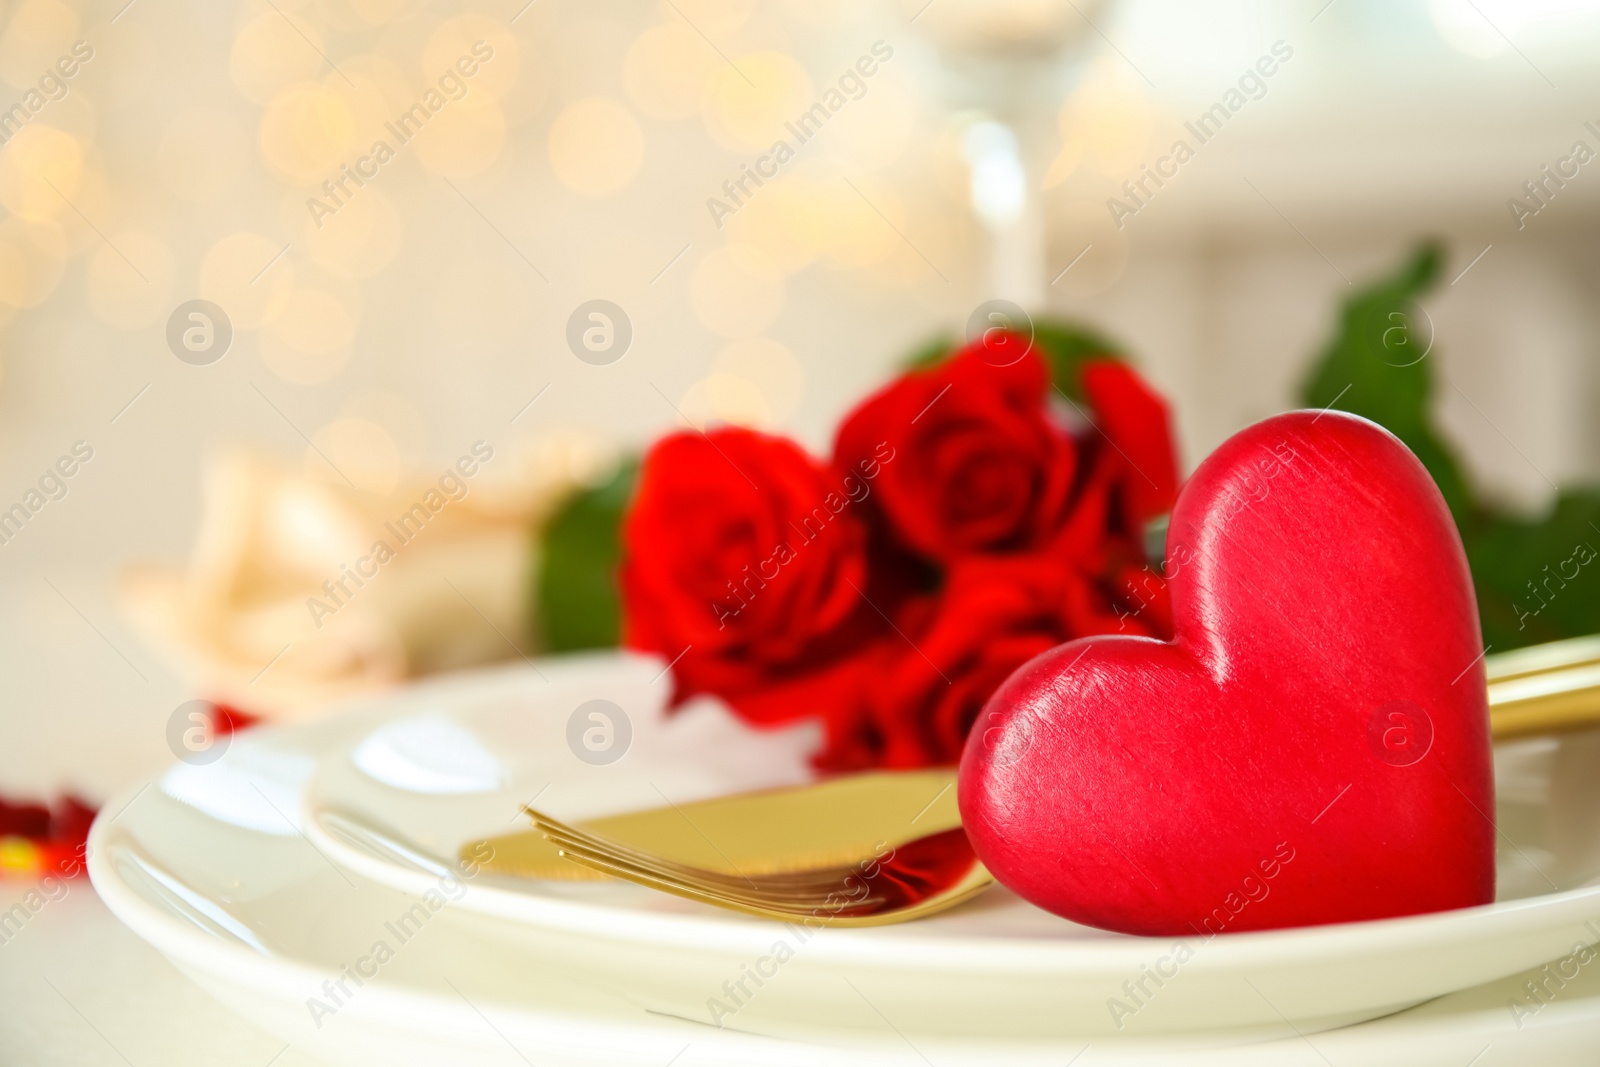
808, 853
858, 850
898, 883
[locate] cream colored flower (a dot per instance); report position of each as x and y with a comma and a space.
299, 592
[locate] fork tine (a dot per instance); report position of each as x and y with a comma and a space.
559, 833
805, 882
920, 876
554, 829
792, 904
802, 884
690, 892
799, 908
751, 890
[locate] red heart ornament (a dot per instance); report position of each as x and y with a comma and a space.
1311, 747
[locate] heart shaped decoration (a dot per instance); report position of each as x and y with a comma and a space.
1311, 747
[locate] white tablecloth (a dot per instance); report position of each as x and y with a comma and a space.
78, 988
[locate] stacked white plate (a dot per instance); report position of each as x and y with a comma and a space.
309, 880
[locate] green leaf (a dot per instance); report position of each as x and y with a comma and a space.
1539, 580
1532, 581
577, 603
1067, 346
930, 353
1378, 366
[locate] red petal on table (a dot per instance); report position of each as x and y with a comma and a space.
230, 720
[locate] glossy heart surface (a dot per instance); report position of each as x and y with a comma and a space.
1311, 747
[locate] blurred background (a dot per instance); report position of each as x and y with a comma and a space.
357, 338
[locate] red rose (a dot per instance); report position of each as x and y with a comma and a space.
965, 455
744, 562
960, 532
1134, 424
929, 677
1119, 590
952, 651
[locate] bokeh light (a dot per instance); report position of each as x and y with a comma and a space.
715, 18
307, 131
770, 367
309, 340
358, 242
37, 33
39, 173
270, 54
1105, 125
464, 139
596, 147
874, 132
769, 236
748, 101
730, 300
725, 399
382, 12
460, 37
400, 420
249, 275
851, 223
665, 71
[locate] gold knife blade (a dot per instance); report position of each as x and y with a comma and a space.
837, 821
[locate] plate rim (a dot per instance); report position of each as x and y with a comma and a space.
734, 934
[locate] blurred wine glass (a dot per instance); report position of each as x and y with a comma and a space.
1006, 66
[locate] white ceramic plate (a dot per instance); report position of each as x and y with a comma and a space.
228, 890
995, 967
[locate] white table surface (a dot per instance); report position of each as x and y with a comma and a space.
78, 988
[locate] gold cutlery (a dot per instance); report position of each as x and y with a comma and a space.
860, 850
832, 823
895, 883
885, 847
1544, 689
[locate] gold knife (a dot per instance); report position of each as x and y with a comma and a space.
835, 822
